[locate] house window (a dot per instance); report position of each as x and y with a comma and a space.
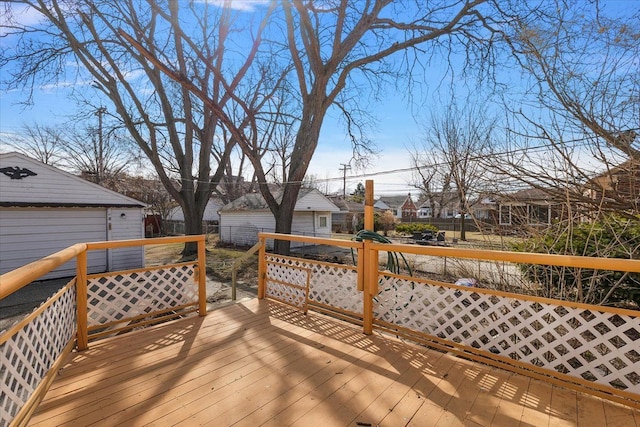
538, 214
505, 214
323, 221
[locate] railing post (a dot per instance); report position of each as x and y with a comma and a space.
202, 277
360, 269
370, 263
82, 335
262, 268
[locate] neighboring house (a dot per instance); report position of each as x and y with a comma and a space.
485, 208
210, 212
44, 209
618, 187
351, 214
403, 207
526, 207
445, 205
242, 219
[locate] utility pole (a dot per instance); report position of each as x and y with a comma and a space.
344, 170
100, 162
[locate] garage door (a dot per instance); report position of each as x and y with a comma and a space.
30, 234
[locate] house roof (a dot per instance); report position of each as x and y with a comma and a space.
526, 195
210, 211
26, 182
346, 205
393, 201
309, 199
445, 198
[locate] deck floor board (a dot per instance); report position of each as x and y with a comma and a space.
260, 363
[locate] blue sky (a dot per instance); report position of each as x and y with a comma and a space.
393, 131
396, 129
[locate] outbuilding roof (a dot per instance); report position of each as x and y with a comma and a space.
309, 199
26, 182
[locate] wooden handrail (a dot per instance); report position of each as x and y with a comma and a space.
143, 242
618, 264
22, 276
309, 239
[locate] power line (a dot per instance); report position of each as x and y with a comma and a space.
584, 143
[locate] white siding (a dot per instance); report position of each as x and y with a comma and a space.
242, 228
52, 185
126, 227
35, 230
30, 234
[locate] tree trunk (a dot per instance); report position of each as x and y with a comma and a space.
463, 232
192, 227
284, 217
194, 201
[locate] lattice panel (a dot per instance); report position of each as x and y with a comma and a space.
596, 346
330, 284
123, 296
288, 283
27, 356
291, 295
336, 285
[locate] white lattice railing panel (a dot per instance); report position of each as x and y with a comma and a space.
288, 283
126, 295
292, 295
27, 356
294, 275
596, 346
330, 284
336, 285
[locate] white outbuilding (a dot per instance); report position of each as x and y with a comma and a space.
210, 212
242, 219
44, 209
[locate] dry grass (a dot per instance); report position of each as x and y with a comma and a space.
219, 260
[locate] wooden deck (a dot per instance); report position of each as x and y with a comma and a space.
261, 363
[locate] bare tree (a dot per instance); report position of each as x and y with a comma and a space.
173, 129
584, 78
431, 177
42, 142
151, 191
455, 144
98, 153
342, 49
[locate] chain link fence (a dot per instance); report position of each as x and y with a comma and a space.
247, 235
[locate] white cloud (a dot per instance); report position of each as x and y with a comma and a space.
20, 16
385, 170
241, 5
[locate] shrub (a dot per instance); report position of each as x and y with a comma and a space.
611, 237
415, 227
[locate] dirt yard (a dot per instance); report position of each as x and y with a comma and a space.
219, 270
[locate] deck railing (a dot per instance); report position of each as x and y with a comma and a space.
88, 307
586, 347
